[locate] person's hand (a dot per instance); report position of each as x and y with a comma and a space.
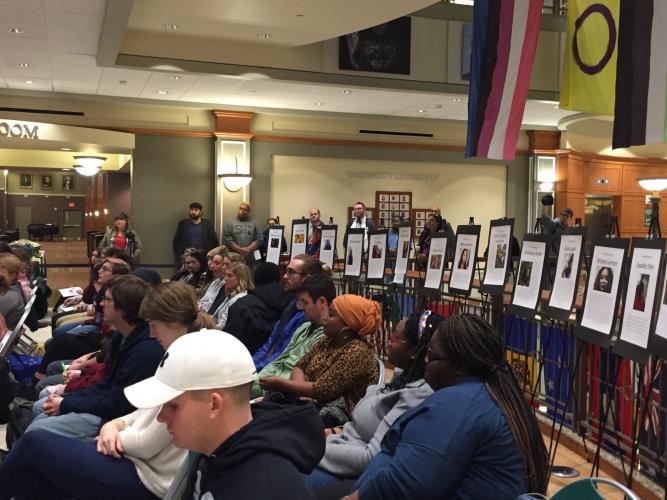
272, 383
74, 299
58, 389
70, 374
108, 442
90, 311
244, 251
52, 405
3, 327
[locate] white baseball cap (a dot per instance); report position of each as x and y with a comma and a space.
207, 359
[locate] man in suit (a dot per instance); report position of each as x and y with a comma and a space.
359, 221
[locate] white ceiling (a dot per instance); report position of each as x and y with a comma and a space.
59, 43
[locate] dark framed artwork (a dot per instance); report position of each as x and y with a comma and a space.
68, 182
25, 181
46, 181
384, 48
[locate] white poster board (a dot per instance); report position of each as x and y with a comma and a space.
566, 278
435, 264
500, 250
274, 244
529, 277
328, 244
464, 261
377, 244
402, 252
353, 252
602, 289
299, 237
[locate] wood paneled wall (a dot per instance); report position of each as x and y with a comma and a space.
580, 174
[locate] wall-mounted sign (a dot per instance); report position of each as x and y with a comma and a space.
17, 130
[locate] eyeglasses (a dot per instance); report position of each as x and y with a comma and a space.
289, 272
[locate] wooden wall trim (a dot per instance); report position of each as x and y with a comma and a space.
163, 132
231, 135
617, 159
543, 139
232, 122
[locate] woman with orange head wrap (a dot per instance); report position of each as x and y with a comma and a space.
339, 367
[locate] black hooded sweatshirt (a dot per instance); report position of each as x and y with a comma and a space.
251, 318
264, 459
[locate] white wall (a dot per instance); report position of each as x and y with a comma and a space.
332, 185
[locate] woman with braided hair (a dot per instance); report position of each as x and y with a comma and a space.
475, 437
349, 452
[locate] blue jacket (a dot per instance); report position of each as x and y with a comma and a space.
280, 337
455, 444
134, 358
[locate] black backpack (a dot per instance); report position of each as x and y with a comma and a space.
20, 417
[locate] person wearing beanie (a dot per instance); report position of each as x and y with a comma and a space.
339, 367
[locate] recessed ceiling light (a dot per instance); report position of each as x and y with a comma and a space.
162, 92
16, 30
264, 36
345, 91
23, 65
122, 82
421, 111
456, 99
319, 103
170, 27
66, 149
174, 77
65, 169
29, 82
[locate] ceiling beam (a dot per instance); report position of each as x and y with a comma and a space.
116, 17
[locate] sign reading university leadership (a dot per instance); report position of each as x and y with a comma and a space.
18, 130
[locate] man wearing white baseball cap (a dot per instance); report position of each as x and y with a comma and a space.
203, 383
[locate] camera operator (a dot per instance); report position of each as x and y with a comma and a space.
554, 227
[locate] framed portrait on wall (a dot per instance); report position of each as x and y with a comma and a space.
68, 182
25, 181
46, 181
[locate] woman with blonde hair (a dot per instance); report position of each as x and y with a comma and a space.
237, 284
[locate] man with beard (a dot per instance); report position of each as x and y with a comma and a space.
242, 234
194, 232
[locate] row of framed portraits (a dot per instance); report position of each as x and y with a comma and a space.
47, 181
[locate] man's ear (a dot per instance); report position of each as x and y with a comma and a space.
217, 403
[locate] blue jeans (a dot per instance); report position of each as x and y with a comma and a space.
44, 465
320, 478
74, 329
73, 425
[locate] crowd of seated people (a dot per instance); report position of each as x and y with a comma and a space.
146, 393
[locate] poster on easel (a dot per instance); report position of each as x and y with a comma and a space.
354, 252
273, 245
528, 286
603, 291
465, 259
402, 252
377, 255
657, 343
328, 244
299, 237
498, 257
640, 299
436, 260
566, 276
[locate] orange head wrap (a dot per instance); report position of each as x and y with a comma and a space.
362, 315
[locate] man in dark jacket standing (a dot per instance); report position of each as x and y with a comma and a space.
194, 232
134, 356
259, 451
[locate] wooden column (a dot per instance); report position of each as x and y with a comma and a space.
96, 201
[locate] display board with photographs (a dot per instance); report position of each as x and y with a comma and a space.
566, 276
273, 245
435, 263
465, 258
390, 204
498, 257
377, 255
658, 343
640, 298
328, 244
402, 251
354, 252
528, 286
603, 291
299, 236
420, 218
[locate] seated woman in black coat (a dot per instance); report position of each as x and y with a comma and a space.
194, 266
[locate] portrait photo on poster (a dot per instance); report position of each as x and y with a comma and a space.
299, 240
526, 293
353, 252
273, 249
436, 262
460, 278
497, 259
376, 258
566, 277
403, 251
328, 246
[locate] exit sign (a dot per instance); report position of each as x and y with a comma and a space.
70, 204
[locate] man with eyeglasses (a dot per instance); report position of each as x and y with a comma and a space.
292, 317
133, 356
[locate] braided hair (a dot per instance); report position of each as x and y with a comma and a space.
419, 328
476, 348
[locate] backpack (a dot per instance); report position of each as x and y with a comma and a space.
6, 393
20, 417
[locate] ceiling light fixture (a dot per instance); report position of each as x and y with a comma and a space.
264, 36
29, 82
66, 149
162, 92
421, 111
174, 77
456, 99
66, 169
170, 27
16, 30
319, 103
88, 165
345, 91
653, 184
234, 182
23, 65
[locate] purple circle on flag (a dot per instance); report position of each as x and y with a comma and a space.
611, 42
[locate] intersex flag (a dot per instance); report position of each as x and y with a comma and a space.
503, 50
641, 84
589, 68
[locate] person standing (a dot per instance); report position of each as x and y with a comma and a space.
554, 227
194, 232
122, 237
242, 234
359, 221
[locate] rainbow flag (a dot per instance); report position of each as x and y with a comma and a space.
503, 50
589, 66
641, 84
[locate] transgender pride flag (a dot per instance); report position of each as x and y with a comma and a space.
503, 50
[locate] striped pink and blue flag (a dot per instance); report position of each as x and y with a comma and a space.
503, 50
